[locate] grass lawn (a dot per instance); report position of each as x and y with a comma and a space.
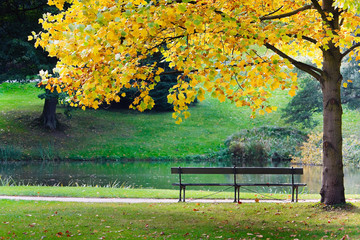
51, 220
119, 134
127, 134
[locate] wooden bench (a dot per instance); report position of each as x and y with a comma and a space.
236, 171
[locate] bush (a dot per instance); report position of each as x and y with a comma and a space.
8, 153
264, 144
311, 150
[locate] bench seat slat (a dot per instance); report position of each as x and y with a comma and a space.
239, 184
239, 170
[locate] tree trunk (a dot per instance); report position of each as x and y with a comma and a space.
332, 190
48, 117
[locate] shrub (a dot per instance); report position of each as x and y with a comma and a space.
8, 153
260, 145
311, 150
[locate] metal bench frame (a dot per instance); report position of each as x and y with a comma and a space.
235, 171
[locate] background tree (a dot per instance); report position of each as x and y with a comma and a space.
161, 90
304, 104
351, 94
220, 45
18, 58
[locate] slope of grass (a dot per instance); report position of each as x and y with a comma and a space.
119, 134
127, 134
51, 220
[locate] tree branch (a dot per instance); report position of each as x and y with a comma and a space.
313, 71
349, 50
321, 11
269, 17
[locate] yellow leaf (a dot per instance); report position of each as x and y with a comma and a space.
179, 121
345, 85
292, 92
30, 38
186, 115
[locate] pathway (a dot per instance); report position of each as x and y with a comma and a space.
141, 200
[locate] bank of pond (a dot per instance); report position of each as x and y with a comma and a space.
152, 174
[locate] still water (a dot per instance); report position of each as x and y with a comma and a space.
148, 175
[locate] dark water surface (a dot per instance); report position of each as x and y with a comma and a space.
149, 175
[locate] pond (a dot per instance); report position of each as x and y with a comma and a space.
147, 174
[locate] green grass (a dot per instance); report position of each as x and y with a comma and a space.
123, 192
120, 134
51, 220
127, 134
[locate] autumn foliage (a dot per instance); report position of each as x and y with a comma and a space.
217, 45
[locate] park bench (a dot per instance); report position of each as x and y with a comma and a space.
237, 171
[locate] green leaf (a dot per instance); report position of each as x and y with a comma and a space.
182, 8
71, 27
139, 20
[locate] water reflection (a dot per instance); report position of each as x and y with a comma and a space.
148, 174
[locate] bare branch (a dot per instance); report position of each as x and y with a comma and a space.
289, 14
320, 10
273, 12
309, 39
349, 50
313, 71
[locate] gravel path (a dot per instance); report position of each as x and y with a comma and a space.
139, 200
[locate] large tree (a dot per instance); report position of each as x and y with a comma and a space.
239, 50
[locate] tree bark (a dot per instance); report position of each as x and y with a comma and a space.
48, 117
332, 190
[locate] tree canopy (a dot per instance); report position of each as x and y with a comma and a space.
237, 50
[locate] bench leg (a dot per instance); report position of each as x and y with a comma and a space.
184, 194
292, 194
297, 192
235, 188
180, 194
237, 192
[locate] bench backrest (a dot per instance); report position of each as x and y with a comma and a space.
236, 170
